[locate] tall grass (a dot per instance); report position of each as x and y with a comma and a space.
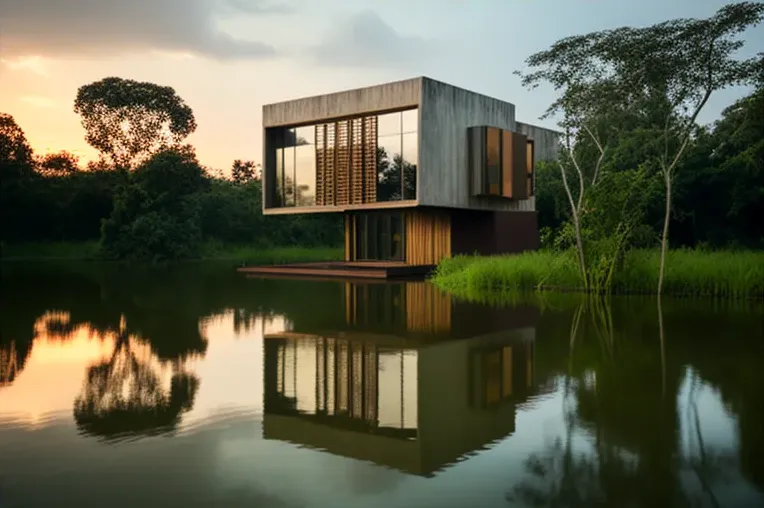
249, 255
242, 254
724, 274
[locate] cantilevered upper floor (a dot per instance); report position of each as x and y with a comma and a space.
417, 142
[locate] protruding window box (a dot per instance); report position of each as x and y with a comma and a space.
501, 163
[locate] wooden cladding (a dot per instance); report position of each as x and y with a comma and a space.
501, 163
346, 162
428, 237
428, 310
349, 237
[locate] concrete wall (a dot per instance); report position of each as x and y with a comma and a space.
445, 114
388, 96
545, 141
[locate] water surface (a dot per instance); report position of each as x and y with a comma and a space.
195, 386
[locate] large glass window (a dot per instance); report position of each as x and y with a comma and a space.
294, 179
389, 168
380, 236
289, 175
409, 161
305, 166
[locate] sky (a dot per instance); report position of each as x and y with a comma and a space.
227, 58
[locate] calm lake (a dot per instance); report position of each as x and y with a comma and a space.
196, 386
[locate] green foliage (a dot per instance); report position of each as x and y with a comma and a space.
243, 172
57, 164
688, 272
128, 120
156, 213
637, 92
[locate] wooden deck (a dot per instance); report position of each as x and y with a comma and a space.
342, 270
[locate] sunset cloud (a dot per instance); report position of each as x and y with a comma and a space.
35, 64
99, 27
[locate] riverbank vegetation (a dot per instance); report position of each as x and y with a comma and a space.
688, 273
634, 164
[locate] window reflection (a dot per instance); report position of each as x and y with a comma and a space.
389, 185
289, 180
295, 178
388, 124
305, 160
305, 135
279, 194
410, 157
410, 121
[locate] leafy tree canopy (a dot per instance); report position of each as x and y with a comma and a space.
58, 164
15, 153
129, 120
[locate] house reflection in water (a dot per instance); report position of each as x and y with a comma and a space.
413, 382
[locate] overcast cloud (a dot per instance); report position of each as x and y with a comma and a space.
93, 27
365, 39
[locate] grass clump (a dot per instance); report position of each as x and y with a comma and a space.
723, 274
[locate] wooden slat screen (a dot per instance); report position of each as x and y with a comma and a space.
331, 164
346, 162
356, 161
428, 237
428, 310
370, 159
320, 165
343, 163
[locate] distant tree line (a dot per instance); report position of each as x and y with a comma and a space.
146, 196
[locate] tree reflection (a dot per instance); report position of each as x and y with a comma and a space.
12, 360
123, 396
620, 445
396, 178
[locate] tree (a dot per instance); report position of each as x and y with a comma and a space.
243, 172
661, 75
127, 120
58, 164
687, 61
594, 115
156, 214
16, 156
16, 173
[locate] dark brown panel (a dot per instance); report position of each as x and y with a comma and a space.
488, 233
516, 232
507, 159
530, 160
476, 147
519, 166
472, 232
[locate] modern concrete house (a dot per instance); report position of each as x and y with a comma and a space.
421, 170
